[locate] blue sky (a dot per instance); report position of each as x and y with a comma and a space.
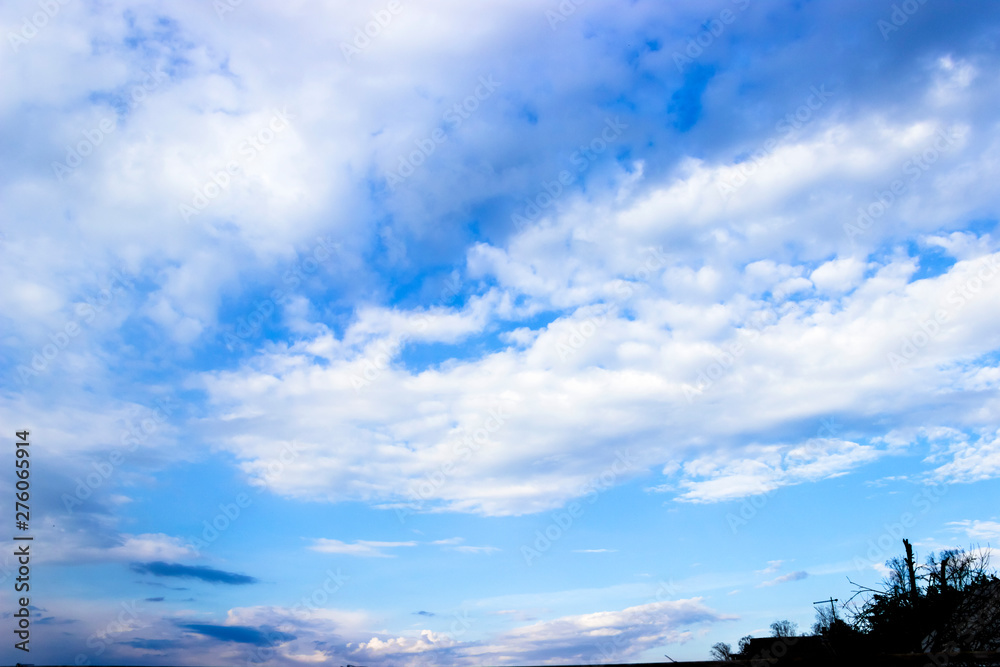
395, 333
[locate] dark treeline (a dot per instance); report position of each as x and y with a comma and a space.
944, 612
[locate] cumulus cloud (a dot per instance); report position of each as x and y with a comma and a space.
397, 646
647, 283
618, 634
691, 306
604, 635
803, 366
288, 635
972, 459
655, 341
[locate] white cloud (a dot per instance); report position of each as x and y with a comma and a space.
614, 385
598, 636
427, 641
971, 461
366, 548
772, 566
654, 291
785, 578
838, 275
76, 546
620, 635
979, 530
465, 549
712, 479
631, 289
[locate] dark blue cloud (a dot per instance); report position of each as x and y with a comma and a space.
424, 613
161, 569
241, 634
52, 620
152, 644
685, 104
154, 599
159, 585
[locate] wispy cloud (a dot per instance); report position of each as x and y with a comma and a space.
785, 578
979, 530
455, 544
466, 549
772, 566
363, 548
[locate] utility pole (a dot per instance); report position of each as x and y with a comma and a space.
832, 608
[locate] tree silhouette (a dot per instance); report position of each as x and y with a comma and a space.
784, 629
722, 651
950, 604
